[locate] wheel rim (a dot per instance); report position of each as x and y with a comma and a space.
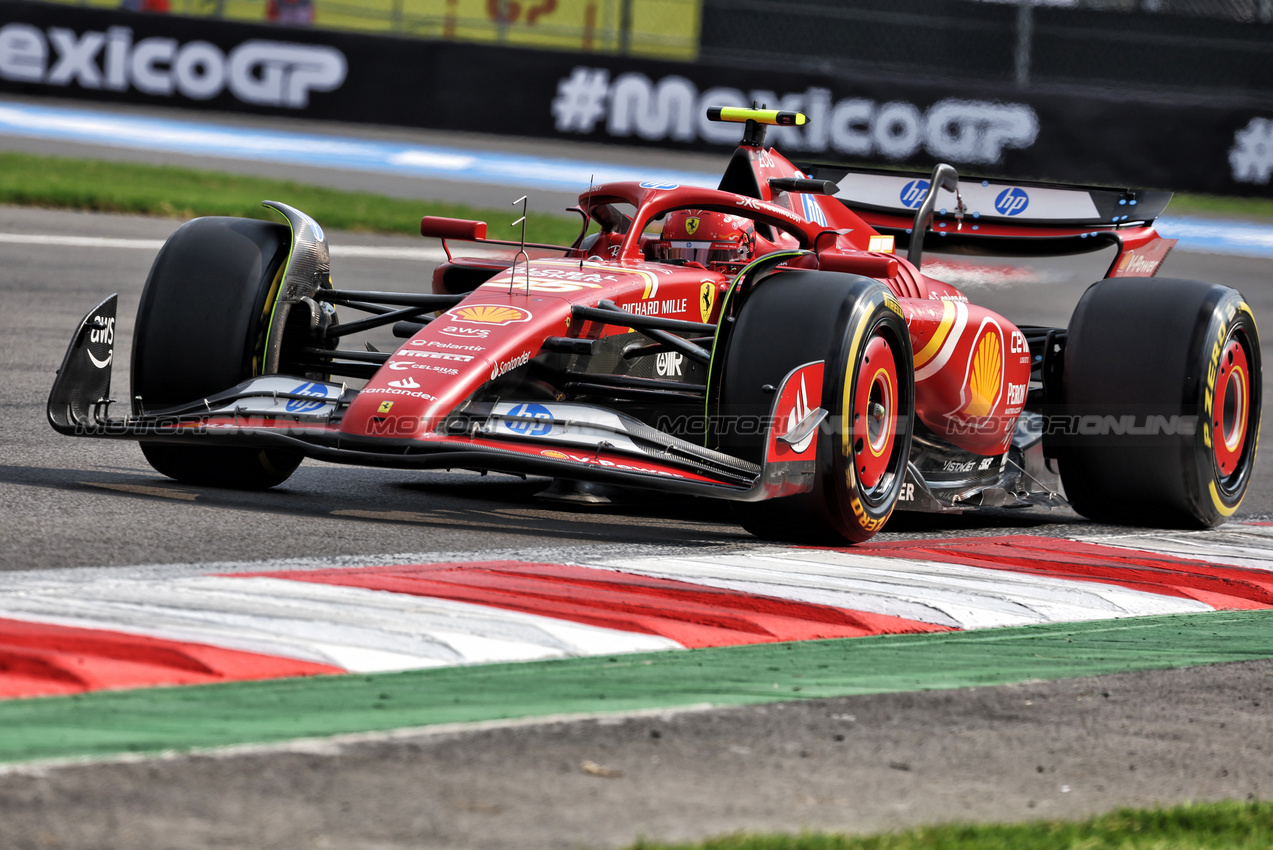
1230, 409
874, 413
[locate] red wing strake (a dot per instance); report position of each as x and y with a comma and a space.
760, 342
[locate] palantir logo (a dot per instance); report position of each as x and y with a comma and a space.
913, 193
1012, 201
526, 412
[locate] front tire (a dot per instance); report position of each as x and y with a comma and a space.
1161, 394
201, 329
853, 324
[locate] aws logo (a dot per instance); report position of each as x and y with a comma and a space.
103, 333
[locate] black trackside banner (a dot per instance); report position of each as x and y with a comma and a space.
53, 49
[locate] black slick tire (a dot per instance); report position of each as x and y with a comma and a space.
794, 318
201, 329
1160, 403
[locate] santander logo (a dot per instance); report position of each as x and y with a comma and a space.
509, 365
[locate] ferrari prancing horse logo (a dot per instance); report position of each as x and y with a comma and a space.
691, 225
706, 300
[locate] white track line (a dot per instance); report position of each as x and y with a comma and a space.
80, 241
377, 252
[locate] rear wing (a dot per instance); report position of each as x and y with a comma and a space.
1008, 216
993, 201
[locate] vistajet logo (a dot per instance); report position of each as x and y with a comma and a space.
267, 73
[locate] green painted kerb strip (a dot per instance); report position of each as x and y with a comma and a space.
215, 715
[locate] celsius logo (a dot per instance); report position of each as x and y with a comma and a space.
300, 405
524, 413
913, 193
268, 73
1012, 201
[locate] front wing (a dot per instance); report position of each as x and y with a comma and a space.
574, 441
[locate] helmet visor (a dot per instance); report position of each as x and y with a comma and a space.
698, 252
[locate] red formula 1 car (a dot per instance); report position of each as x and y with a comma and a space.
760, 342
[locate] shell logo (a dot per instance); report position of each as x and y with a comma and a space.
985, 376
553, 454
489, 314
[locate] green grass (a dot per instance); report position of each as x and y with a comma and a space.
1257, 209
41, 181
1213, 826
56, 182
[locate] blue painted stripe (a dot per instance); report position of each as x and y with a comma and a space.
321, 151
1212, 236
200, 138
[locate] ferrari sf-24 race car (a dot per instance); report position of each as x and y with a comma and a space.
760, 342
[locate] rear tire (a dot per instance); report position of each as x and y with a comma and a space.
201, 329
1169, 354
854, 325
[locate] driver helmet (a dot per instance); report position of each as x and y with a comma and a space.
706, 238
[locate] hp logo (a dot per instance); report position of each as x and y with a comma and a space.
526, 428
297, 405
1012, 201
913, 193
